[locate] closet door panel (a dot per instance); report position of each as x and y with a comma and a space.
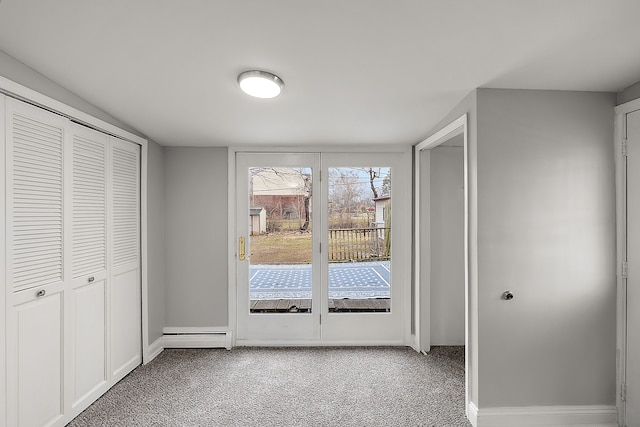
35, 183
36, 353
126, 342
37, 259
89, 266
89, 202
89, 341
125, 321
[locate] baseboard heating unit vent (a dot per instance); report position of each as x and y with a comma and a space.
196, 338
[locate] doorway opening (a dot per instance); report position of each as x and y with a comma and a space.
442, 244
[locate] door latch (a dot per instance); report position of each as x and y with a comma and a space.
241, 251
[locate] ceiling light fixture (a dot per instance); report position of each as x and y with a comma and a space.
260, 84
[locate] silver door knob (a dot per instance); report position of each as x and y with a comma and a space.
507, 295
41, 293
91, 279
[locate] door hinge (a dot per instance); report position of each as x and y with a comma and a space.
321, 319
320, 248
624, 147
623, 392
625, 269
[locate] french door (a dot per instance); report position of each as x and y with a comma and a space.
320, 258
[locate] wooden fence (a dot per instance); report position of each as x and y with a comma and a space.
358, 244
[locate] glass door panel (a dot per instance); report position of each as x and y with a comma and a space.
277, 267
366, 266
359, 239
280, 271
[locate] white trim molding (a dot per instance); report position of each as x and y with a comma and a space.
620, 135
548, 416
197, 337
621, 256
472, 414
628, 107
422, 324
3, 291
154, 350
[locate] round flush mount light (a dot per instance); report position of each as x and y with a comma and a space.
260, 84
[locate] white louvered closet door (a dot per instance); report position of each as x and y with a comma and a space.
88, 308
125, 304
37, 262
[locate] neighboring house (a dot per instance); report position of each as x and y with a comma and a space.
281, 192
383, 206
258, 220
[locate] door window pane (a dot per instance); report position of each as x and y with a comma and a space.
280, 225
359, 239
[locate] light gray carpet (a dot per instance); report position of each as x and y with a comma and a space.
379, 386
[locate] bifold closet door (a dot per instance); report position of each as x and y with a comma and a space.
37, 264
89, 267
125, 294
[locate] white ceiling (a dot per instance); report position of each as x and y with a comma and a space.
356, 71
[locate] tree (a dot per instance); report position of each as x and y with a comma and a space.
374, 174
372, 177
307, 197
386, 185
345, 194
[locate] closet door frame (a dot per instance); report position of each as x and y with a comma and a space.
3, 292
620, 135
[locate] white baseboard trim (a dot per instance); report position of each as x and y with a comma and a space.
196, 338
155, 348
472, 414
315, 343
550, 416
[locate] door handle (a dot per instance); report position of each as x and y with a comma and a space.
241, 250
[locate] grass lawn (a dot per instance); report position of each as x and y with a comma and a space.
294, 247
286, 247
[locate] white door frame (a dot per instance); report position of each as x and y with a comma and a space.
3, 292
620, 136
422, 288
404, 205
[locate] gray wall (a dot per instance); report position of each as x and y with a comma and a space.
629, 94
196, 229
156, 240
546, 231
447, 246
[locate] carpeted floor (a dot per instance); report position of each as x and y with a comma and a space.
378, 386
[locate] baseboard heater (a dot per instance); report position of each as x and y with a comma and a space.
196, 338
